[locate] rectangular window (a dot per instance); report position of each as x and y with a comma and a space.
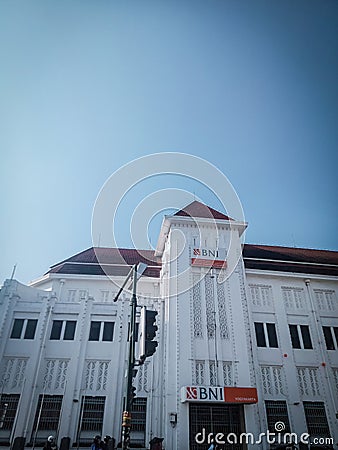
47, 413
260, 336
139, 414
266, 335
304, 329
294, 336
108, 331
17, 328
138, 422
69, 330
92, 414
56, 330
30, 329
331, 337
8, 407
94, 334
300, 336
101, 331
277, 411
62, 329
272, 336
316, 419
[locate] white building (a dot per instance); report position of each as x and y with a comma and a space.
251, 343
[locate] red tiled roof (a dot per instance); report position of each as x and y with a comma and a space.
198, 209
104, 261
290, 259
113, 261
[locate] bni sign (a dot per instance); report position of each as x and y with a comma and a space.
209, 257
216, 394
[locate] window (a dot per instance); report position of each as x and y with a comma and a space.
331, 337
316, 419
17, 328
47, 413
139, 413
277, 411
101, 331
300, 336
94, 334
8, 407
266, 335
138, 422
30, 329
108, 331
56, 330
63, 329
69, 330
92, 414
24, 328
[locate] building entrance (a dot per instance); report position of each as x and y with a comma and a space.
209, 418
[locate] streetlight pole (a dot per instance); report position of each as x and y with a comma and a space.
136, 272
126, 420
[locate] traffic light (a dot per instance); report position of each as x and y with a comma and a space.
148, 330
132, 393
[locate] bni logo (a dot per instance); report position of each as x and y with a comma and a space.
210, 253
191, 393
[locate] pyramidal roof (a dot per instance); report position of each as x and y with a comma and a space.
198, 209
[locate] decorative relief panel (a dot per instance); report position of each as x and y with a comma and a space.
143, 373
55, 374
223, 321
308, 381
293, 298
199, 373
272, 380
335, 377
261, 295
96, 375
197, 307
325, 299
227, 373
13, 374
210, 306
212, 373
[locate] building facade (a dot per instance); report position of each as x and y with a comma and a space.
248, 343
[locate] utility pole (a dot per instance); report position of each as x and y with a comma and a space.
136, 272
126, 418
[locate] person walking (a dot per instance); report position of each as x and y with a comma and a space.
50, 444
105, 445
96, 445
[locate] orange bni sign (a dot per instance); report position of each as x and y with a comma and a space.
212, 263
240, 395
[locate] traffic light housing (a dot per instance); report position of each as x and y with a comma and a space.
132, 393
148, 329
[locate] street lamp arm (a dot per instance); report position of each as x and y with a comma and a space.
125, 282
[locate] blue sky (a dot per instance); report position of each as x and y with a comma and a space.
87, 86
